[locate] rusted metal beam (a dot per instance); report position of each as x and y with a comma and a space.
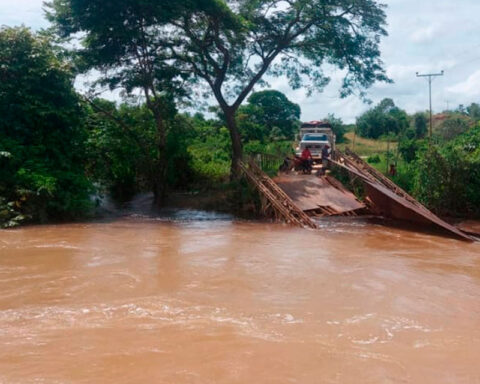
386, 198
281, 204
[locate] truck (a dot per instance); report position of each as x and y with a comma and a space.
314, 135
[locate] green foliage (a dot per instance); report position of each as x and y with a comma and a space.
122, 39
121, 147
275, 148
473, 111
276, 152
128, 43
210, 152
448, 178
409, 147
384, 119
237, 48
269, 115
405, 176
338, 127
374, 159
452, 127
353, 184
41, 129
209, 147
420, 122
122, 152
53, 145
410, 134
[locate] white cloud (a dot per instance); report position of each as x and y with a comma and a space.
468, 88
424, 34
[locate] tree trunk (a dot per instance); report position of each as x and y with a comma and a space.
160, 175
237, 147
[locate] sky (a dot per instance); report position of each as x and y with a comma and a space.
425, 36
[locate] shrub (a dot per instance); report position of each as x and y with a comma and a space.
374, 159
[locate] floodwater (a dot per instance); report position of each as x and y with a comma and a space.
201, 298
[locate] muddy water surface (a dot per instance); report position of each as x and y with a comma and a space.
210, 300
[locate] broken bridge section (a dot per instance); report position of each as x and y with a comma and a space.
296, 198
275, 199
388, 199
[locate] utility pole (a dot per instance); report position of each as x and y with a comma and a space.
354, 137
430, 77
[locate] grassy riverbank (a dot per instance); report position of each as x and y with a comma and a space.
365, 147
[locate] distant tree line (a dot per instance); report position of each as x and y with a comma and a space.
386, 119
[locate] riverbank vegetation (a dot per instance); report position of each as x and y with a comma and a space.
42, 133
442, 172
185, 110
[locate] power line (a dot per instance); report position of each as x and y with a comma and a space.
430, 77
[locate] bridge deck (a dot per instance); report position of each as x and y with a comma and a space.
311, 193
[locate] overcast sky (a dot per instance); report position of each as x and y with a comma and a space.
424, 36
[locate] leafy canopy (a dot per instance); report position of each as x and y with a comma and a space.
385, 118
338, 127
268, 115
125, 39
292, 38
40, 128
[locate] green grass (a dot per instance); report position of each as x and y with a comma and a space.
404, 177
365, 147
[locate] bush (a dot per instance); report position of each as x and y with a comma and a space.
41, 128
409, 148
374, 159
448, 178
420, 122
452, 127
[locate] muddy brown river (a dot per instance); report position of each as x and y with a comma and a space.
202, 298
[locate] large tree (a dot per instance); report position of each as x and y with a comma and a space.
125, 41
294, 38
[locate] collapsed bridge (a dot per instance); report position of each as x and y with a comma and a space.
298, 199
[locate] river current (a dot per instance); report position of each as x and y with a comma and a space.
194, 297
